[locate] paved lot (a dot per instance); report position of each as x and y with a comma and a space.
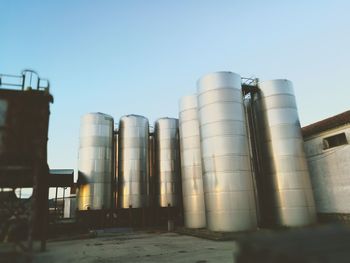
138, 247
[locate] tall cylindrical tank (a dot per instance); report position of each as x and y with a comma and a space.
95, 161
167, 161
191, 164
287, 193
228, 187
133, 168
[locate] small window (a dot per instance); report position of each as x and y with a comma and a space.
334, 141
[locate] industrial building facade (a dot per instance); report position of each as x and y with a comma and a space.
328, 154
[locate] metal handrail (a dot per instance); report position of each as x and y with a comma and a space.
24, 81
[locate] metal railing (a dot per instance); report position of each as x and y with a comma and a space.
28, 80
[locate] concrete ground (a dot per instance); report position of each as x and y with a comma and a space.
139, 246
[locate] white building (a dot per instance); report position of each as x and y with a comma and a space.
328, 153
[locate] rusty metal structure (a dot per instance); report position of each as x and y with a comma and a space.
24, 119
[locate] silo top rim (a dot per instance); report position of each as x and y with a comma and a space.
97, 114
166, 118
274, 80
219, 80
133, 115
276, 86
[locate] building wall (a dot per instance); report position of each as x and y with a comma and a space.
330, 171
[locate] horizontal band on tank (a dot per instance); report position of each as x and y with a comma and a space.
134, 176
190, 143
190, 169
192, 133
129, 122
186, 119
168, 177
159, 139
275, 101
193, 209
171, 139
193, 192
99, 131
136, 159
290, 180
229, 201
85, 159
195, 201
285, 147
96, 165
222, 127
227, 94
292, 197
134, 153
227, 182
133, 143
286, 164
190, 130
268, 132
221, 111
229, 163
284, 131
191, 157
189, 111
95, 153
168, 187
195, 181
96, 141
281, 116
95, 180
193, 145
197, 195
230, 145
133, 188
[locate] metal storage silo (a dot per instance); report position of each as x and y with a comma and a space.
287, 193
167, 181
133, 173
191, 164
95, 161
228, 187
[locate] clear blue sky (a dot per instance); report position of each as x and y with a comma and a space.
122, 57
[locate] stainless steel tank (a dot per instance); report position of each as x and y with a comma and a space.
191, 164
133, 170
167, 161
228, 187
95, 161
287, 192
